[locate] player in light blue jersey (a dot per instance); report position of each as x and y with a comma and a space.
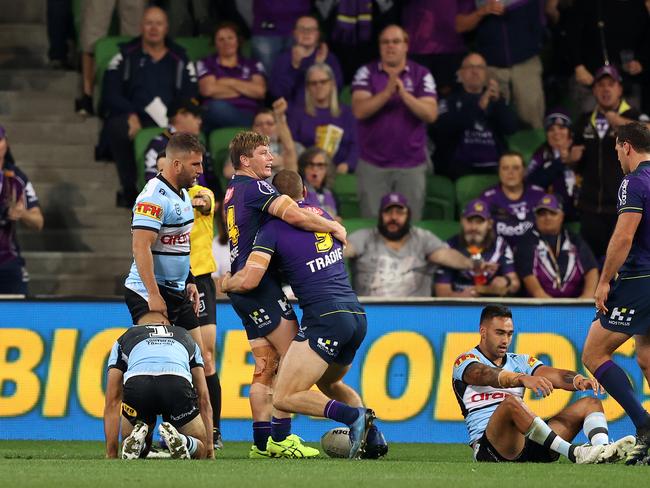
489, 383
157, 370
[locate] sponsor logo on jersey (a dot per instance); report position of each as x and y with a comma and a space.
488, 395
315, 210
621, 316
265, 188
228, 196
172, 240
149, 210
130, 411
327, 345
531, 361
464, 358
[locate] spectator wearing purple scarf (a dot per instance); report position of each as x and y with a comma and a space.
315, 165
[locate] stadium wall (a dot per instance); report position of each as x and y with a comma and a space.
53, 356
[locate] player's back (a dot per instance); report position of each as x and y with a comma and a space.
634, 197
312, 262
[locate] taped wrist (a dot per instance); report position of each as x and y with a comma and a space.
508, 379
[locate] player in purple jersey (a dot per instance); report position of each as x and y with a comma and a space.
624, 310
333, 324
266, 313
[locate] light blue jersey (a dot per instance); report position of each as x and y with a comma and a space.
478, 403
160, 208
155, 350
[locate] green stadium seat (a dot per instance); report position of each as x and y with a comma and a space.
526, 142
440, 199
196, 47
346, 95
142, 140
444, 229
218, 143
352, 225
573, 227
345, 190
469, 187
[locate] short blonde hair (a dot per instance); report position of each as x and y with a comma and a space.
243, 144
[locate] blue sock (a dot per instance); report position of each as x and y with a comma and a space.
340, 412
261, 433
280, 428
617, 384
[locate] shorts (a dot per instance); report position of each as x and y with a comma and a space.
147, 396
485, 452
208, 302
629, 306
180, 311
13, 278
262, 309
334, 330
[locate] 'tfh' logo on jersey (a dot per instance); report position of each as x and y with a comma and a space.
149, 210
621, 316
327, 345
465, 357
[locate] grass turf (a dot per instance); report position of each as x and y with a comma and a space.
71, 464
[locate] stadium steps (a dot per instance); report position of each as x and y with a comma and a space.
78, 239
102, 263
78, 285
81, 132
54, 83
22, 45
26, 102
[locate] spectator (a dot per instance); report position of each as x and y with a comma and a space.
598, 166
18, 203
511, 202
273, 21
553, 262
233, 86
393, 99
96, 17
273, 124
435, 44
395, 259
509, 36
189, 18
184, 116
478, 241
323, 121
551, 166
289, 69
473, 124
142, 80
314, 166
60, 33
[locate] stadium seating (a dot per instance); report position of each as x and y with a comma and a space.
140, 143
345, 190
352, 225
218, 143
444, 229
440, 198
345, 96
469, 187
526, 141
196, 47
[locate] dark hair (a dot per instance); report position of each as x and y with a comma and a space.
309, 154
636, 134
243, 144
233, 26
161, 154
492, 311
182, 142
289, 183
515, 154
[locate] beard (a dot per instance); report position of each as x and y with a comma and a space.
395, 235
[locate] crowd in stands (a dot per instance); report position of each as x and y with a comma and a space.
368, 99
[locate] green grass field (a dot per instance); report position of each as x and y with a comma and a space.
71, 464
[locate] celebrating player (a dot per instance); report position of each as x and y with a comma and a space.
333, 324
152, 370
489, 384
624, 311
267, 316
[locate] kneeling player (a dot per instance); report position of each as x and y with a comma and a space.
153, 370
489, 384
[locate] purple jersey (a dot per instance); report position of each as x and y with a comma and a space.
14, 186
430, 25
323, 198
312, 262
244, 71
247, 204
394, 137
499, 252
277, 17
512, 218
633, 196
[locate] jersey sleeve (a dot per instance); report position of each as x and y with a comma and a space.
260, 194
149, 210
528, 364
462, 362
427, 86
631, 196
196, 360
506, 260
361, 80
115, 359
266, 238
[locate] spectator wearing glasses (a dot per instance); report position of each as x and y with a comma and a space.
315, 166
323, 121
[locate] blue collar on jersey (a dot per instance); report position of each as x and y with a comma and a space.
171, 187
505, 358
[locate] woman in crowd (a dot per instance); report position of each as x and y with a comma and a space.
315, 165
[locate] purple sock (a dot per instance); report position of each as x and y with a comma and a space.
617, 384
340, 412
261, 433
280, 428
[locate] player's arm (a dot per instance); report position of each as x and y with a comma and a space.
568, 380
205, 408
479, 374
620, 244
112, 406
286, 209
143, 239
247, 278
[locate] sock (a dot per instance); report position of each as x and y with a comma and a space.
191, 443
261, 433
280, 428
542, 434
340, 412
617, 384
214, 390
595, 428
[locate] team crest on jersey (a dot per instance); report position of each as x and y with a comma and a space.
315, 210
177, 209
228, 196
464, 358
149, 210
531, 361
265, 188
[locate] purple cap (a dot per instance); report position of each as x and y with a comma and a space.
3, 132
393, 199
477, 208
608, 70
549, 202
557, 116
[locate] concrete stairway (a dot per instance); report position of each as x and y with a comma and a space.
84, 249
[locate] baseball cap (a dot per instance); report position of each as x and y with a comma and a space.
393, 199
477, 208
3, 132
549, 202
191, 105
557, 116
608, 70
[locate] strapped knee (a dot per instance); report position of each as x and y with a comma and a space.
266, 365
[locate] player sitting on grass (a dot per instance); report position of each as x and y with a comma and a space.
489, 384
153, 370
333, 323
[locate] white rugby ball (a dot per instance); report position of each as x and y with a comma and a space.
336, 442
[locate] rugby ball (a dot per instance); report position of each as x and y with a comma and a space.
336, 442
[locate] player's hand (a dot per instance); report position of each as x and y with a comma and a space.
600, 297
157, 304
201, 202
340, 233
223, 284
193, 293
540, 385
582, 383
